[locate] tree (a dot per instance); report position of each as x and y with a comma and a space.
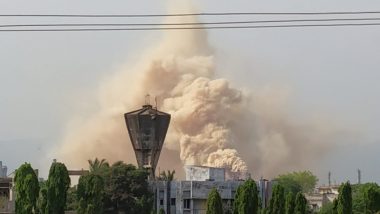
345, 199
335, 206
100, 167
365, 198
237, 199
289, 203
300, 204
372, 199
327, 208
127, 189
162, 211
246, 199
27, 188
303, 181
90, 193
42, 199
57, 185
214, 202
166, 176
277, 202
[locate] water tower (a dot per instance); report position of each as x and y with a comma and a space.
147, 129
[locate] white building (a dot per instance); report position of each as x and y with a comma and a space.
190, 196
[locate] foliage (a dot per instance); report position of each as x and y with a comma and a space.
90, 194
362, 201
127, 189
72, 202
237, 199
99, 167
372, 199
246, 199
42, 198
327, 208
277, 202
214, 202
289, 203
57, 185
303, 181
162, 211
345, 199
27, 187
301, 204
166, 175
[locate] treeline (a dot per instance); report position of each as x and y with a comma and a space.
247, 201
116, 188
356, 199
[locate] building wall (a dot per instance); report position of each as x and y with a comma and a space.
202, 173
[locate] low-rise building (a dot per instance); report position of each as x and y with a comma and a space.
190, 196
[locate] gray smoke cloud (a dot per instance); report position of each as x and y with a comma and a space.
213, 122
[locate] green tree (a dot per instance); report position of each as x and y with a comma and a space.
335, 206
246, 200
127, 189
345, 199
100, 167
162, 211
372, 199
214, 202
57, 185
289, 203
237, 199
166, 175
42, 198
277, 202
301, 204
27, 188
90, 193
71, 201
303, 181
327, 208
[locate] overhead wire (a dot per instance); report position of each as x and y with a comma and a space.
192, 14
148, 26
192, 28
189, 23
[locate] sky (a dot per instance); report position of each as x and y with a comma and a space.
49, 77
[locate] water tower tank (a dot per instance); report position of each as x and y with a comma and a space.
147, 129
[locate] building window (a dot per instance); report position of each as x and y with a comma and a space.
172, 201
186, 203
161, 202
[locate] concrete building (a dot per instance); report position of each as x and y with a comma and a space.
322, 196
190, 196
3, 170
6, 195
202, 173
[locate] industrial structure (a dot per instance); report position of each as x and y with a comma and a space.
147, 129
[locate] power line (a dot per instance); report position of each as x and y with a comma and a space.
191, 28
191, 14
188, 23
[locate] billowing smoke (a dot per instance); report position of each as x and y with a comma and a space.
213, 122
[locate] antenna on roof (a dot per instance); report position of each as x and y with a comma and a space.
147, 99
155, 100
329, 178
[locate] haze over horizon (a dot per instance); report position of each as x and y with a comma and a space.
48, 78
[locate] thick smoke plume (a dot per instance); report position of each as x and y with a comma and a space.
213, 122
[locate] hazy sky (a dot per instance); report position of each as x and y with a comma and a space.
47, 77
